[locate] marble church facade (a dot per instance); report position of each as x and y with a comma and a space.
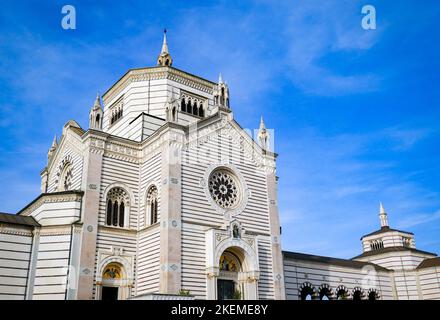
165, 196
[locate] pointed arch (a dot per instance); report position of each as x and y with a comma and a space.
151, 205
183, 105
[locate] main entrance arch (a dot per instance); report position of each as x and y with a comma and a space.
232, 266
114, 279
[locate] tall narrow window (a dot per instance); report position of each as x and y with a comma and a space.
183, 105
109, 212
189, 106
117, 201
195, 109
152, 205
201, 111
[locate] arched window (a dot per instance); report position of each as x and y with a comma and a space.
376, 244
357, 294
201, 111
189, 106
183, 105
341, 293
307, 292
373, 295
195, 109
325, 293
152, 205
65, 182
97, 120
117, 201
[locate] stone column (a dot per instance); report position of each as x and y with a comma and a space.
170, 214
277, 256
89, 215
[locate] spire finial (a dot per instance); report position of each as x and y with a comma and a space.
383, 216
54, 143
164, 58
263, 136
164, 43
262, 125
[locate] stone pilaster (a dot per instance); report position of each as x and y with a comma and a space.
170, 215
33, 263
44, 179
75, 246
89, 212
277, 256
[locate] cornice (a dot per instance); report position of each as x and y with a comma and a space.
64, 196
17, 231
56, 231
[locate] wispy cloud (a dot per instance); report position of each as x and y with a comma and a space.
418, 219
319, 30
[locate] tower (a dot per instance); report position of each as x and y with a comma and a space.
221, 93
96, 113
164, 58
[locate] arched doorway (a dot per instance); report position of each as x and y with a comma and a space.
113, 284
231, 264
228, 286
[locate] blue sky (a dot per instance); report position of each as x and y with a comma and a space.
355, 113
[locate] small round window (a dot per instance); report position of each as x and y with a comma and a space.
224, 188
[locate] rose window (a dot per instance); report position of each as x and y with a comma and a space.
223, 188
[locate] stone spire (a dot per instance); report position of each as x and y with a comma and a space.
164, 58
383, 217
52, 148
96, 114
263, 135
221, 93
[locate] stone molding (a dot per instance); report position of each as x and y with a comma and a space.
56, 197
4, 229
